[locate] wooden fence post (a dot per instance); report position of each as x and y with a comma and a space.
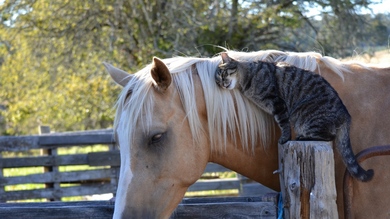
114, 180
2, 188
49, 152
307, 179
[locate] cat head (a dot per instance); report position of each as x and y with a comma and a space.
226, 75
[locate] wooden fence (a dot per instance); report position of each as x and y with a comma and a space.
306, 168
44, 151
263, 207
101, 179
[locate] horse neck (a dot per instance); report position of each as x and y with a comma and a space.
257, 165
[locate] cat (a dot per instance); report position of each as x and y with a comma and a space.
297, 98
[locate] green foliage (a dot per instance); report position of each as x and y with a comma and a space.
51, 51
47, 77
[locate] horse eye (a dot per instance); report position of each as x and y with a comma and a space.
156, 138
128, 94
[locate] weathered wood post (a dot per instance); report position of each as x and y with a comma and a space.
50, 152
307, 179
114, 180
2, 188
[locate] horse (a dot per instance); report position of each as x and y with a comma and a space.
172, 119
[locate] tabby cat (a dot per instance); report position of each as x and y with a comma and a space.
297, 98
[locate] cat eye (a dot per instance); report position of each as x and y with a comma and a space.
232, 71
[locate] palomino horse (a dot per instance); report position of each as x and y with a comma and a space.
172, 119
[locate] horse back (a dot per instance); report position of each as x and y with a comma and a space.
365, 91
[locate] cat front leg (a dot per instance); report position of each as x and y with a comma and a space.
286, 131
282, 118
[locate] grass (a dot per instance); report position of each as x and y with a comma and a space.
228, 192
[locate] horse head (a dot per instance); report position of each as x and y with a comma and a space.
159, 158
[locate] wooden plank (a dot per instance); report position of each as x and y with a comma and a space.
60, 177
71, 140
20, 143
48, 193
59, 160
261, 210
269, 197
106, 158
85, 132
229, 208
55, 204
308, 179
215, 184
25, 143
62, 210
254, 189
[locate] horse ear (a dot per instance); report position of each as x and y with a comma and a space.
160, 74
225, 58
118, 75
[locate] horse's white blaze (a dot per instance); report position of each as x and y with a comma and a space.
126, 174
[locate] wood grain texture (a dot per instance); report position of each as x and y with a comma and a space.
308, 181
49, 141
230, 207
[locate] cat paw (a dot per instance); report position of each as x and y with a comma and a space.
283, 140
286, 136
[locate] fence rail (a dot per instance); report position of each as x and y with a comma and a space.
263, 207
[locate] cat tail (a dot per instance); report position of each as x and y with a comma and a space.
343, 144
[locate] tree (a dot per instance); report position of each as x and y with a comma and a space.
49, 76
51, 51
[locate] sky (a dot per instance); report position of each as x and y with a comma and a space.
383, 6
378, 6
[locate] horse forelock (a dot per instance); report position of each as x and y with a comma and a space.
137, 107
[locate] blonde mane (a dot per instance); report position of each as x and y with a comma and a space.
227, 111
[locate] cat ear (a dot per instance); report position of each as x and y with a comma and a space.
160, 74
225, 58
